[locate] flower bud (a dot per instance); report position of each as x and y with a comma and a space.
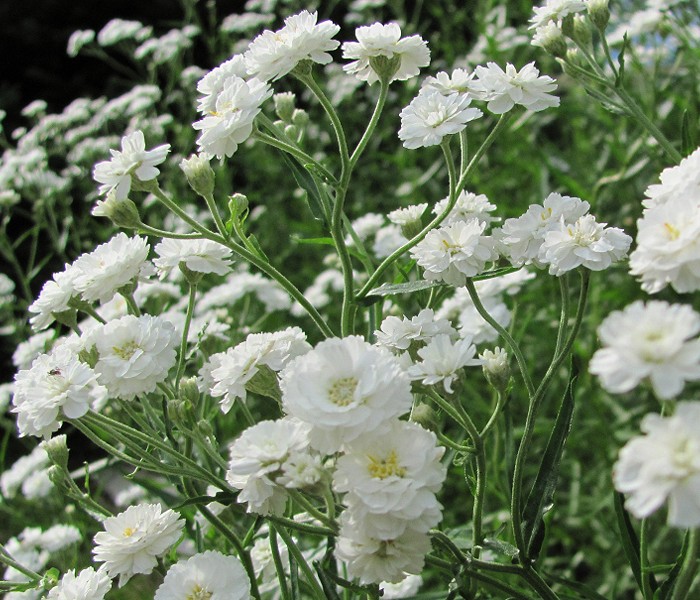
123, 213
284, 105
57, 476
567, 26
599, 13
425, 416
495, 367
189, 390
199, 174
57, 449
300, 118
551, 39
237, 205
582, 31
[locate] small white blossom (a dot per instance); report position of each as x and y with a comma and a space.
208, 575
443, 360
86, 585
663, 465
399, 333
343, 388
431, 116
133, 160
504, 89
133, 539
555, 11
78, 39
54, 297
455, 252
12, 478
201, 256
408, 214
466, 206
681, 180
655, 341
459, 82
385, 40
584, 243
406, 588
273, 54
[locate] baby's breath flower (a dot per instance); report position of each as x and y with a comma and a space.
443, 360
86, 585
200, 256
555, 10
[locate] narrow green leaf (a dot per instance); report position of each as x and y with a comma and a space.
326, 582
540, 499
621, 61
307, 183
630, 541
664, 592
294, 578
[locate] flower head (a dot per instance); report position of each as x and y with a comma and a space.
133, 160
555, 11
86, 585
200, 256
442, 361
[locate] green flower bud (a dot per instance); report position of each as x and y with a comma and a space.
567, 26
425, 416
189, 390
57, 449
199, 174
496, 368
300, 118
284, 105
582, 31
237, 205
205, 428
599, 13
123, 213
551, 39
291, 131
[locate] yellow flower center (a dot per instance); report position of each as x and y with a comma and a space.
342, 391
673, 232
199, 593
126, 351
129, 531
381, 468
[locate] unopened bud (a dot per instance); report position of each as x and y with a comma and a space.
496, 368
284, 105
123, 213
425, 416
599, 13
57, 449
550, 38
567, 26
189, 390
205, 428
199, 174
237, 205
300, 118
582, 31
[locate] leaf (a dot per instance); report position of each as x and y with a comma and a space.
327, 582
313, 195
621, 61
500, 547
630, 542
688, 143
539, 502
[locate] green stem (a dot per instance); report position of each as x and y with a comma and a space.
647, 591
277, 560
378, 108
185, 333
500, 401
148, 230
6, 559
564, 314
513, 345
301, 500
689, 569
303, 565
214, 210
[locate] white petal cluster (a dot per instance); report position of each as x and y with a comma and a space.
343, 388
584, 243
467, 205
54, 297
228, 115
258, 458
57, 386
200, 256
459, 82
668, 234
133, 160
86, 585
555, 11
99, 274
520, 239
133, 539
230, 371
431, 116
385, 40
208, 575
20, 476
663, 465
454, 252
655, 341
135, 354
401, 333
273, 54
408, 214
502, 90
442, 361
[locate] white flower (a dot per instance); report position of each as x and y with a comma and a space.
56, 386
237, 285
682, 180
118, 30
385, 40
520, 238
230, 120
442, 361
100, 274
54, 297
494, 362
663, 465
455, 252
387, 240
583, 243
408, 214
212, 84
431, 116
133, 539
230, 371
655, 341
343, 388
201, 256
466, 206
273, 54
459, 82
406, 588
372, 559
208, 575
668, 247
78, 39
133, 160
135, 354
87, 585
33, 346
504, 89
13, 477
399, 333
555, 10
257, 458
396, 473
